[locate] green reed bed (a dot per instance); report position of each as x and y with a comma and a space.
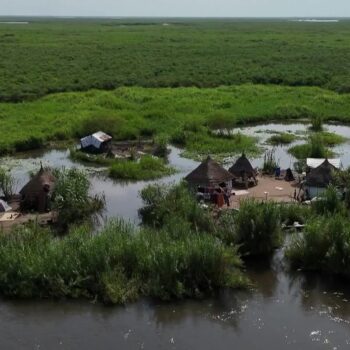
186, 116
118, 265
146, 168
58, 55
283, 138
324, 243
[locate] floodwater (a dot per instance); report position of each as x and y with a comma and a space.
284, 310
283, 158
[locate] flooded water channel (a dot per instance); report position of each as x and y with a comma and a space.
285, 310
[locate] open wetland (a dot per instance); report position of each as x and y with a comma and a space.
282, 309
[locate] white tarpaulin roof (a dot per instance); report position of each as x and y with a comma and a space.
4, 206
316, 162
95, 139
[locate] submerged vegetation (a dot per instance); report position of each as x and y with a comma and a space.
283, 138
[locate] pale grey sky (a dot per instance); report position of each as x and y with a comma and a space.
174, 8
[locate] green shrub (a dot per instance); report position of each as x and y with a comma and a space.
168, 206
161, 146
293, 212
71, 197
258, 227
323, 246
329, 202
31, 143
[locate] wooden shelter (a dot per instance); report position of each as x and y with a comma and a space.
209, 173
318, 179
243, 171
96, 143
37, 192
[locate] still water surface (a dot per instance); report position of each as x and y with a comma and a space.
285, 310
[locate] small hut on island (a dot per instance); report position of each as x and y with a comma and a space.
243, 172
36, 194
96, 143
318, 179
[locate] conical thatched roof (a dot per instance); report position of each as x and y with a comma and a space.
42, 182
242, 167
320, 176
208, 173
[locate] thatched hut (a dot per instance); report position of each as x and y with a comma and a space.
209, 173
243, 171
37, 192
318, 179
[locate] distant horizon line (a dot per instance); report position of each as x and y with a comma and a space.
177, 17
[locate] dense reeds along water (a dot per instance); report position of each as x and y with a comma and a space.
285, 310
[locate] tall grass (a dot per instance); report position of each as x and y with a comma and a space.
258, 227
7, 183
270, 164
165, 206
71, 198
329, 203
116, 266
323, 246
316, 123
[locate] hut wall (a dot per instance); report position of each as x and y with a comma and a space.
315, 191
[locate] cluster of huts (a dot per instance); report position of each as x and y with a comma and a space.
212, 181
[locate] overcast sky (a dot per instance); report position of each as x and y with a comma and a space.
174, 8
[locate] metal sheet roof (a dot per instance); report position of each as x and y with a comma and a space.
95, 139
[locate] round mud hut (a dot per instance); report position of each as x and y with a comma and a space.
209, 174
318, 179
243, 172
36, 194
